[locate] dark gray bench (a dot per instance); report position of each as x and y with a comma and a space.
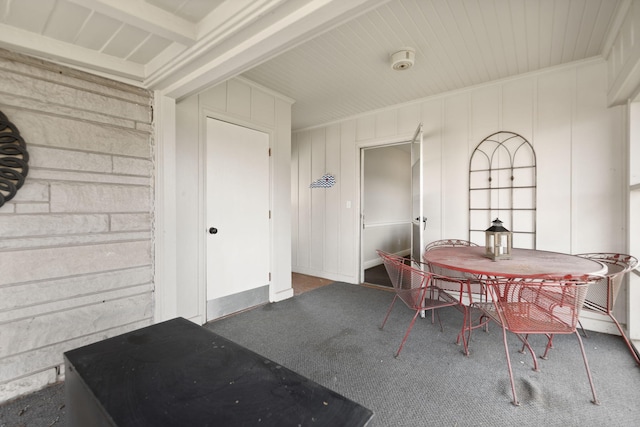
176, 373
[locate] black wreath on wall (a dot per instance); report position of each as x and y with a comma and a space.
14, 160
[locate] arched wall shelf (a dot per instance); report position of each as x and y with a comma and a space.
502, 184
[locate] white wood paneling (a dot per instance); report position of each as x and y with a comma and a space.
350, 216
332, 200
485, 114
432, 116
262, 107
407, 117
386, 123
556, 100
518, 107
238, 99
295, 199
455, 165
318, 197
591, 134
543, 107
305, 218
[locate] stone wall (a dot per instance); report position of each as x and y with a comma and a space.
76, 260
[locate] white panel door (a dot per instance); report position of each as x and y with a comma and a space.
237, 177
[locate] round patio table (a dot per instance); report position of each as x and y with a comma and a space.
523, 262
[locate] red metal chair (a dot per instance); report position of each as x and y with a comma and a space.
545, 305
475, 287
602, 294
416, 289
473, 290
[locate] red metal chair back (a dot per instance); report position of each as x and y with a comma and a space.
447, 243
409, 283
603, 294
541, 304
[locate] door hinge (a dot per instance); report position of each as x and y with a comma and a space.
269, 276
269, 152
269, 214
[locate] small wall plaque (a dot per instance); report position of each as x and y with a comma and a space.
327, 181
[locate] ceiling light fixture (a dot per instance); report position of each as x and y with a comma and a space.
403, 59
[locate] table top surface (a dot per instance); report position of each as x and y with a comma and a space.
523, 262
177, 373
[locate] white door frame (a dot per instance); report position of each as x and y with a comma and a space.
360, 147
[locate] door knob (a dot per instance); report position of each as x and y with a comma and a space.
213, 230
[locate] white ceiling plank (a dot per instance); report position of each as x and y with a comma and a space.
560, 21
507, 35
440, 19
147, 17
66, 21
97, 31
149, 49
604, 22
545, 33
424, 35
479, 31
31, 15
519, 30
470, 40
532, 34
584, 35
126, 39
621, 10
575, 20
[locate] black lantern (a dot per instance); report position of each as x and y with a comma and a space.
498, 241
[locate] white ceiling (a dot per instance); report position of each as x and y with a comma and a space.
330, 56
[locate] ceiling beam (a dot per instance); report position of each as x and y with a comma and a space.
145, 16
29, 43
289, 25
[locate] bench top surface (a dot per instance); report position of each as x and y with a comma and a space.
178, 373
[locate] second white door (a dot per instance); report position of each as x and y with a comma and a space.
238, 239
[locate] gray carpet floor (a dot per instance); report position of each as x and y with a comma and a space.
331, 335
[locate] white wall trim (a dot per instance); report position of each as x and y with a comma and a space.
165, 209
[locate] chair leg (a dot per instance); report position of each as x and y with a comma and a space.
626, 340
388, 311
466, 329
406, 335
595, 400
525, 343
583, 330
549, 346
506, 350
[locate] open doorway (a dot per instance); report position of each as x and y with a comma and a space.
386, 207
